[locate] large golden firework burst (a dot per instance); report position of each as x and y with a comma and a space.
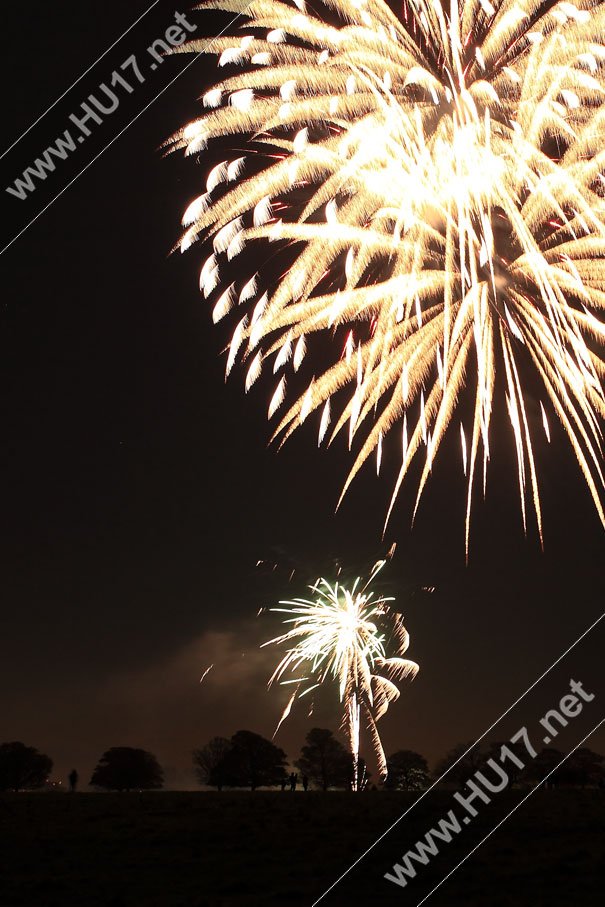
437, 181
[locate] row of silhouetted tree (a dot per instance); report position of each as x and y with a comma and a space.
120, 768
247, 760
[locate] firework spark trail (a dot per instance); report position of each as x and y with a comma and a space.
451, 230
206, 672
341, 635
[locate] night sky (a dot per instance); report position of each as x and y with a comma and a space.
138, 490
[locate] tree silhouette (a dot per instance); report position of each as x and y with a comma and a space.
126, 768
23, 767
494, 751
585, 767
544, 767
324, 759
210, 762
252, 761
407, 770
460, 771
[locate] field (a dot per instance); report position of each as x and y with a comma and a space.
276, 849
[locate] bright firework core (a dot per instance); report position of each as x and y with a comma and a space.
341, 635
435, 187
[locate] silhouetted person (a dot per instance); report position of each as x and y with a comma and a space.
293, 780
305, 782
283, 783
73, 779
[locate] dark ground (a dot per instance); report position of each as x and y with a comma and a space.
278, 849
